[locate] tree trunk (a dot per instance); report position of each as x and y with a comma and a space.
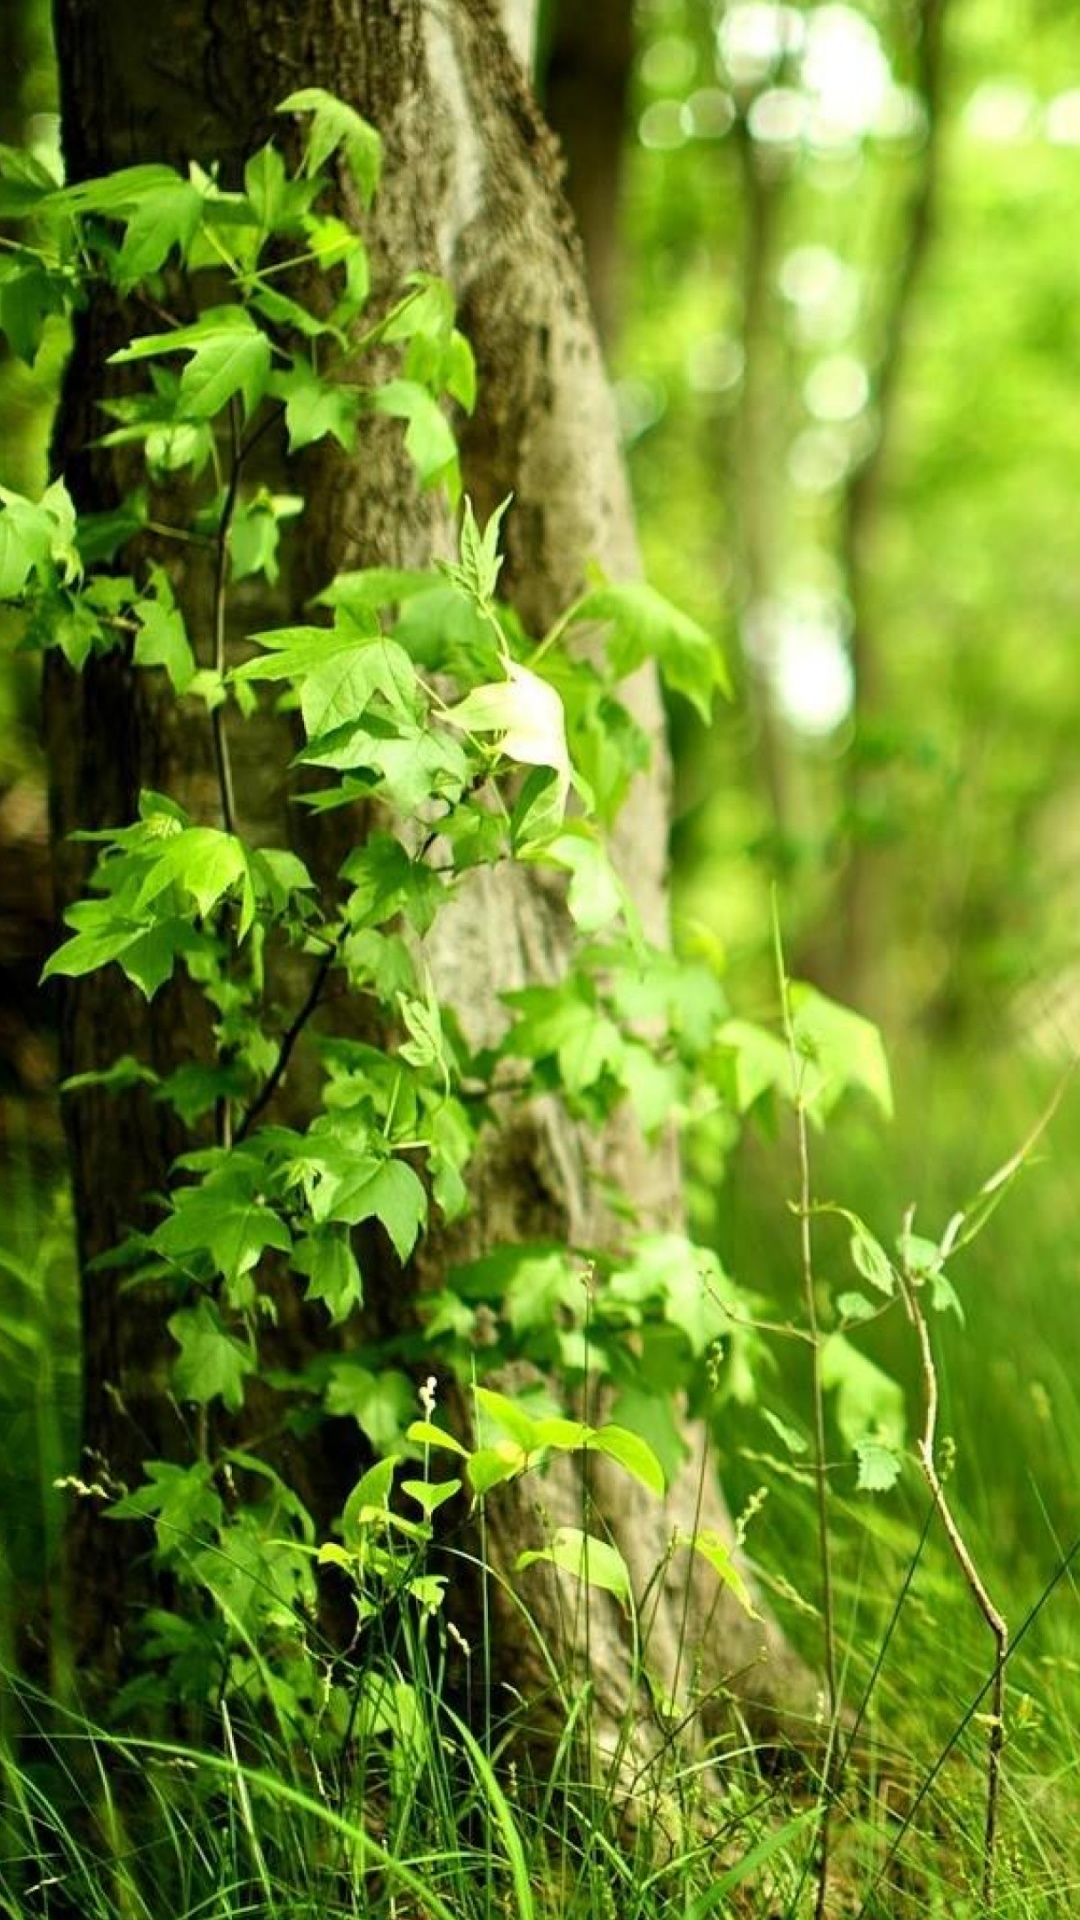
585, 90
471, 190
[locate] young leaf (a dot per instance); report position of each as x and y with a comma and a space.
384, 1190
334, 124
424, 1433
528, 714
162, 219
332, 1273
229, 355
595, 1562
162, 639
631, 1453
380, 1403
212, 1364
879, 1466
507, 1415
717, 1551
646, 626
429, 439
841, 1050
224, 1219
870, 1258
867, 1400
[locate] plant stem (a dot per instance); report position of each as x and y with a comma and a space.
805, 1210
995, 1620
290, 1037
221, 572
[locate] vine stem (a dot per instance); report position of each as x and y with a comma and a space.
221, 578
995, 1620
290, 1037
804, 1209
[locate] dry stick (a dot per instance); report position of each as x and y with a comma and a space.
996, 1621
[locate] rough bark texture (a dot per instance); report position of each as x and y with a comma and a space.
471, 189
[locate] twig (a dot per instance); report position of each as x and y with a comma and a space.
221, 571
805, 1212
290, 1037
995, 1620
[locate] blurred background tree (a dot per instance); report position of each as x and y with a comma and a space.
833, 249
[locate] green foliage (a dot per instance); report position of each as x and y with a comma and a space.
422, 696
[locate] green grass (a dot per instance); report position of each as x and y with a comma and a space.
435, 1817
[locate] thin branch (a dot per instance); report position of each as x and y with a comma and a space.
995, 1620
221, 581
805, 1211
290, 1037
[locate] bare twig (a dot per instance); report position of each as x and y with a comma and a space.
221, 577
805, 1212
995, 1620
290, 1037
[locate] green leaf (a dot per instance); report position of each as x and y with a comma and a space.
334, 125
230, 363
369, 1500
567, 1023
651, 1415
29, 294
341, 689
870, 1259
162, 639
373, 587
430, 1495
113, 193
868, 1401
381, 1403
492, 1466
315, 408
718, 1552
880, 1466
384, 1190
151, 958
596, 1563
332, 1273
647, 627
203, 861
429, 438
840, 1050
507, 1415
631, 1453
181, 1500
684, 1280
759, 1063
855, 1307
596, 895
423, 1433
164, 218
229, 355
255, 533
225, 1220
266, 186
790, 1437
213, 1365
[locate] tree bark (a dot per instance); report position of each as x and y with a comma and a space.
585, 89
471, 190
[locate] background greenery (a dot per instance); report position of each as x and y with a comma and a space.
767, 328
